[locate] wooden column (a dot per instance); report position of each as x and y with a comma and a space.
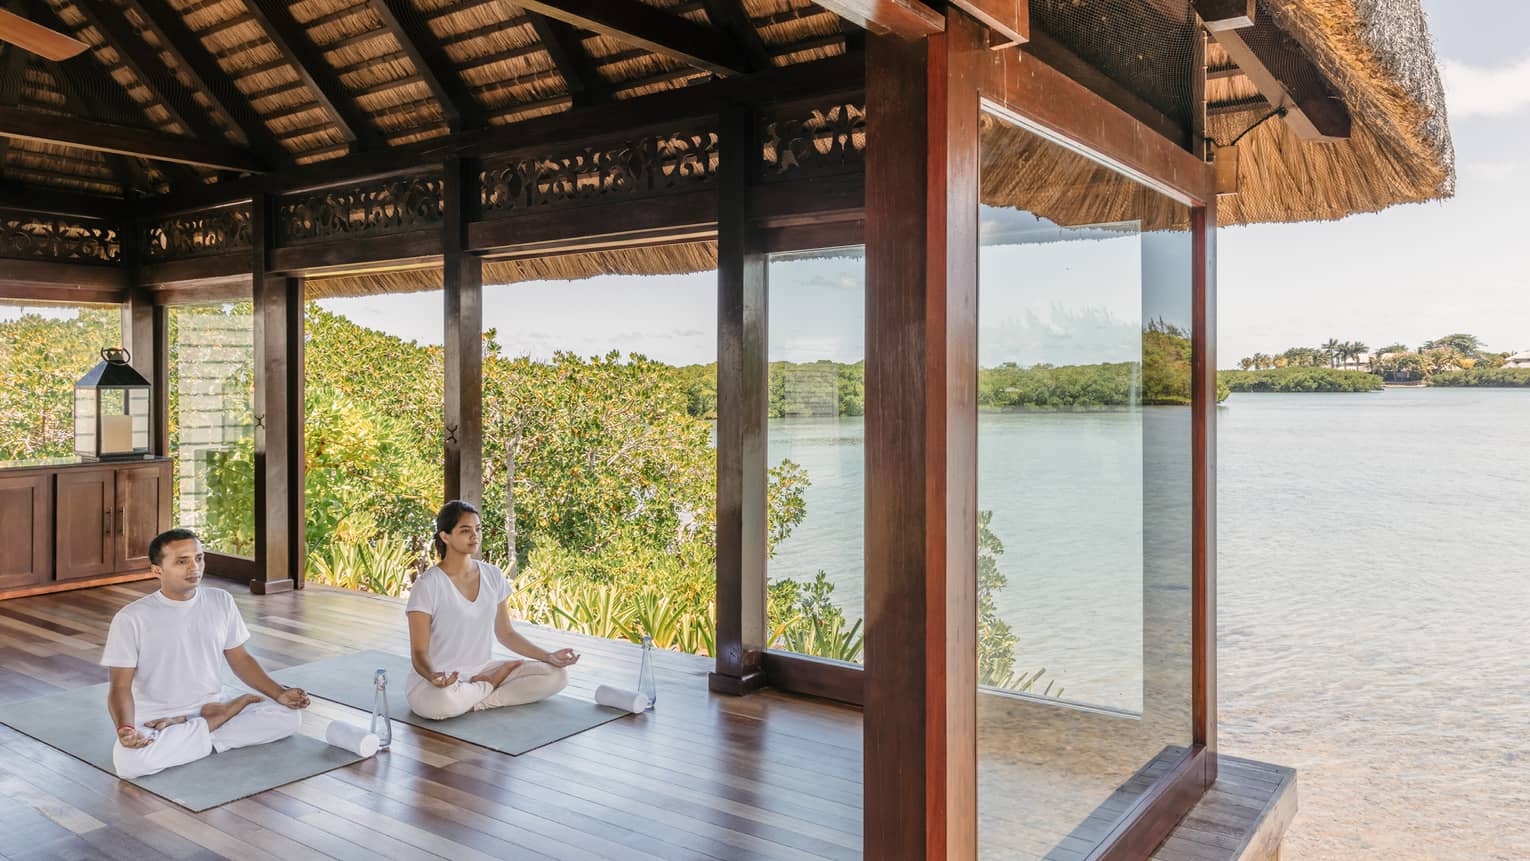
1203, 570
921, 443
742, 376
278, 414
138, 331
462, 278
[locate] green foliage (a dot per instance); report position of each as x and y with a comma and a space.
41, 358
1484, 377
1299, 380
359, 557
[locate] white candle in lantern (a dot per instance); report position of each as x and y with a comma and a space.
116, 434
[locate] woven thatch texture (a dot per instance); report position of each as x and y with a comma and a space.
660, 260
1378, 55
1024, 171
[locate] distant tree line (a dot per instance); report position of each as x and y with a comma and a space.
1393, 363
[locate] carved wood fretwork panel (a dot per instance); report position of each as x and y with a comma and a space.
377, 208
195, 234
32, 236
628, 169
805, 141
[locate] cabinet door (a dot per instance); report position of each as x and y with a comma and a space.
26, 551
143, 511
84, 509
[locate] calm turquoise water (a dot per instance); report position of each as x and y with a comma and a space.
1374, 591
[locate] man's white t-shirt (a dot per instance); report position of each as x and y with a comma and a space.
461, 631
177, 648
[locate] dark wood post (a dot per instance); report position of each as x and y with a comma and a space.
462, 278
1203, 586
742, 374
278, 412
139, 316
921, 443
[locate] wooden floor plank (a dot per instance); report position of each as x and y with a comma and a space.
769, 777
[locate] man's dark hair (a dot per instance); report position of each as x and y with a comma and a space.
157, 546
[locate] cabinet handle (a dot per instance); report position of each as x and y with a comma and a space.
108, 532
121, 521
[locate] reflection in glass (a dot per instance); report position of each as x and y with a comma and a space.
815, 448
1083, 493
212, 424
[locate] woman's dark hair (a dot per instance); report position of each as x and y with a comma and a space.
446, 521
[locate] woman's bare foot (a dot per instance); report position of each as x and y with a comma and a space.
497, 674
218, 714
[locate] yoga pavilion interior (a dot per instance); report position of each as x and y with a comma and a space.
159, 154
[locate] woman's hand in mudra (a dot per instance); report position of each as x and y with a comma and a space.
443, 680
563, 657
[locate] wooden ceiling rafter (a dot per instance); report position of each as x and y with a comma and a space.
191, 54
149, 68
729, 16
430, 62
292, 40
639, 24
1279, 67
13, 69
565, 47
78, 101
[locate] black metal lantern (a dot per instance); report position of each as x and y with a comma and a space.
111, 410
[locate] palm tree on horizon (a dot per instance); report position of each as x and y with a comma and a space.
1331, 347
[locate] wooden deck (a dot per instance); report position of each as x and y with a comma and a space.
769, 776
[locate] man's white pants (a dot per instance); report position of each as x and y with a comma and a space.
262, 722
531, 682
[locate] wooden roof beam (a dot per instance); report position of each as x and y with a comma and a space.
125, 140
564, 46
11, 75
909, 19
193, 57
729, 17
1278, 66
80, 103
639, 24
431, 63
291, 39
149, 68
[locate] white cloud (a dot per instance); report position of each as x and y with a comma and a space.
1486, 90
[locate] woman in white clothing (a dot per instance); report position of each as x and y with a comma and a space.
456, 611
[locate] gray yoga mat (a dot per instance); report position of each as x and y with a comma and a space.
347, 679
76, 723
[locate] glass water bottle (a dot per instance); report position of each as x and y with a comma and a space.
645, 675
382, 727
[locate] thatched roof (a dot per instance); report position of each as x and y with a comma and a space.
318, 79
1378, 56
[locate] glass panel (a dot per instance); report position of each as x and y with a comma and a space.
600, 400
212, 423
1083, 493
373, 385
44, 350
138, 408
815, 448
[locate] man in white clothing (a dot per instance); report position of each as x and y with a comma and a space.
165, 653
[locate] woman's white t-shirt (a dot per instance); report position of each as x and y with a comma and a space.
176, 648
461, 631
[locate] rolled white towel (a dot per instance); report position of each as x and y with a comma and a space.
351, 737
621, 698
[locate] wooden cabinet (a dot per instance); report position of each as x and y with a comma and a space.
82, 522
143, 511
71, 524
26, 547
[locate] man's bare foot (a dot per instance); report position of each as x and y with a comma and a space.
497, 674
161, 723
218, 714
